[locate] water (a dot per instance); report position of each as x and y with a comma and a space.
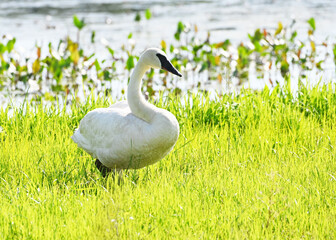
43, 21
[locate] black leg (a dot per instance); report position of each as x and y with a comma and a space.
104, 170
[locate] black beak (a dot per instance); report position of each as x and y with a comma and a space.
166, 65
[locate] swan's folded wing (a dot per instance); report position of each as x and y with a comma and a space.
106, 128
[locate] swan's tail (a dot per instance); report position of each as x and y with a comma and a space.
81, 141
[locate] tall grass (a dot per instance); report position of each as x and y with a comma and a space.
254, 165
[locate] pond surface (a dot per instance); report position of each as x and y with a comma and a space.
42, 21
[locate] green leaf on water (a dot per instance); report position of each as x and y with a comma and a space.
294, 34
311, 22
97, 65
107, 75
171, 48
130, 63
78, 23
256, 37
10, 44
177, 36
180, 29
111, 51
137, 17
284, 68
148, 14
2, 48
93, 36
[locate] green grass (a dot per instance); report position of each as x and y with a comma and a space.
255, 165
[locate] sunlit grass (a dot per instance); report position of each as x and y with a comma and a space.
256, 165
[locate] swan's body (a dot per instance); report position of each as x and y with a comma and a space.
132, 133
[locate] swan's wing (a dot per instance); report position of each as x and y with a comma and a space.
107, 129
97, 123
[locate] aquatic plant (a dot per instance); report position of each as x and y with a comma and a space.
265, 51
62, 69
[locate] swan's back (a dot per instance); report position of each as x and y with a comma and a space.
122, 105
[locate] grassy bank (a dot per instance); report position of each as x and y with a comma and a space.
256, 165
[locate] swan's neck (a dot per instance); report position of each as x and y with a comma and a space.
137, 103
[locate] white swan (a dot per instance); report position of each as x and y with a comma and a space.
132, 133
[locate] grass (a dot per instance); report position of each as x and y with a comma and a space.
254, 165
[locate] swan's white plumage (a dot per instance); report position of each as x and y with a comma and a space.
122, 138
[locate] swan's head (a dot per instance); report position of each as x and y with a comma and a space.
156, 58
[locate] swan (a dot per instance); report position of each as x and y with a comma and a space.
130, 134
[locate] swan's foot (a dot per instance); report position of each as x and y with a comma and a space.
103, 170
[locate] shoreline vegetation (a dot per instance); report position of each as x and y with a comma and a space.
269, 56
253, 164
